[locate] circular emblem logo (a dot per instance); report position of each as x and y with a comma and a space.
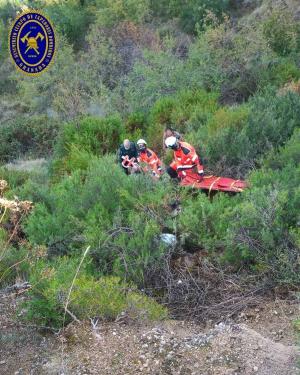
32, 42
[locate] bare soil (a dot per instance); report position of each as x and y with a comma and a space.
260, 341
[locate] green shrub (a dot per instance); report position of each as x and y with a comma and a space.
77, 159
282, 32
257, 230
262, 229
111, 12
124, 221
129, 248
34, 136
105, 63
204, 224
289, 154
259, 233
186, 111
135, 126
194, 13
222, 144
272, 120
50, 283
236, 138
14, 178
72, 20
120, 217
97, 136
283, 72
234, 61
56, 220
108, 297
157, 75
14, 263
196, 113
105, 298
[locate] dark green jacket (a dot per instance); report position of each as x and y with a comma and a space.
132, 152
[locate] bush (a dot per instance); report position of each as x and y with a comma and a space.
282, 32
259, 234
56, 219
257, 230
61, 91
72, 20
284, 71
108, 297
194, 13
97, 136
27, 136
272, 121
203, 224
236, 63
289, 154
105, 64
235, 139
129, 248
14, 179
136, 124
124, 221
156, 75
79, 142
105, 298
186, 111
120, 217
222, 144
14, 263
111, 12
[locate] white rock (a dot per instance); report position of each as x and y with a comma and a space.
168, 239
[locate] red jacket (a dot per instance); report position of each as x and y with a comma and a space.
150, 158
186, 158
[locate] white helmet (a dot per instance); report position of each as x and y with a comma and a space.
141, 143
171, 142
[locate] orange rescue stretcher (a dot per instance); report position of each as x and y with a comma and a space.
211, 183
190, 178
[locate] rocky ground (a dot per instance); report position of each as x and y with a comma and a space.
261, 341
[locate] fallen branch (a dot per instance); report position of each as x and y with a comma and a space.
72, 315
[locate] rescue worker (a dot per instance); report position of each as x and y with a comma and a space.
127, 149
185, 158
169, 132
149, 157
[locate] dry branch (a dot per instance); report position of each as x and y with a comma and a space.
3, 187
16, 206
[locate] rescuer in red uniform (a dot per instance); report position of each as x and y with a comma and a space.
185, 158
148, 157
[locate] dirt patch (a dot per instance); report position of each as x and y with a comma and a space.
23, 349
260, 342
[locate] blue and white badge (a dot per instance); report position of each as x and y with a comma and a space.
32, 42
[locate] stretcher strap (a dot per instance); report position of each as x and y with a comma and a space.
211, 186
234, 187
